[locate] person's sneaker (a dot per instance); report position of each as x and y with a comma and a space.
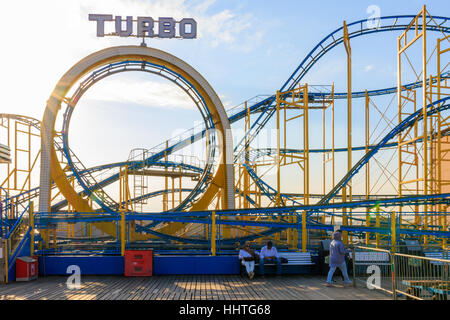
251, 275
348, 284
329, 284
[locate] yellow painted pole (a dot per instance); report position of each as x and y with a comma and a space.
31, 214
349, 115
442, 217
173, 190
123, 205
377, 224
239, 195
213, 233
15, 155
367, 132
306, 143
444, 227
122, 232
278, 160
166, 182
333, 163
344, 216
393, 231
399, 102
29, 157
295, 240
323, 154
304, 232
246, 175
277, 203
8, 140
425, 114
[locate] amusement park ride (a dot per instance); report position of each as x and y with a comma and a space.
226, 199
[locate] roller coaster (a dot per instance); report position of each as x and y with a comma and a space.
229, 198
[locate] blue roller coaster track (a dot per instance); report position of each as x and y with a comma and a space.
266, 110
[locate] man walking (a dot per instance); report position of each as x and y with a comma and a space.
337, 258
269, 254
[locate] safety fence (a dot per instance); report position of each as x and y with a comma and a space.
422, 275
372, 267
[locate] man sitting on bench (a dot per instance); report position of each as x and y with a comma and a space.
269, 254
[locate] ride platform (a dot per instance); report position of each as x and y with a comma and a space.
187, 287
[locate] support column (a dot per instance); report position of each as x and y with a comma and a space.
393, 231
213, 233
367, 133
348, 49
31, 216
304, 232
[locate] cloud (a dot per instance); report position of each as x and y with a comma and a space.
368, 68
146, 93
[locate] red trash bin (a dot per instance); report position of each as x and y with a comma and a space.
26, 268
138, 263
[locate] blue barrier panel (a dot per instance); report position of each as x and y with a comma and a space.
195, 265
89, 265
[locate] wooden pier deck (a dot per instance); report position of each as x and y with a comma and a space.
186, 287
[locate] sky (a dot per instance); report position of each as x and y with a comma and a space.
244, 48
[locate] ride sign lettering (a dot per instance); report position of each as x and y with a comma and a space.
167, 28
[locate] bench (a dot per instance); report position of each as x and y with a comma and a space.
298, 263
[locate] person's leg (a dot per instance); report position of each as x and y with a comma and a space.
252, 267
330, 274
343, 268
261, 266
278, 262
247, 265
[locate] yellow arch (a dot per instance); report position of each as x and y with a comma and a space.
51, 168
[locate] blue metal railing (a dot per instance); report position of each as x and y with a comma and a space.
18, 222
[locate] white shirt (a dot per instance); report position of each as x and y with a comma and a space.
269, 253
245, 254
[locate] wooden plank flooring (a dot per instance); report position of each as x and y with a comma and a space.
186, 287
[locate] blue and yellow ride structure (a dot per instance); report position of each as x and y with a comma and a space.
231, 199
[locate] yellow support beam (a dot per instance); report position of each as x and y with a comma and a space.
348, 49
393, 231
367, 167
304, 232
377, 225
122, 232
213, 233
31, 218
